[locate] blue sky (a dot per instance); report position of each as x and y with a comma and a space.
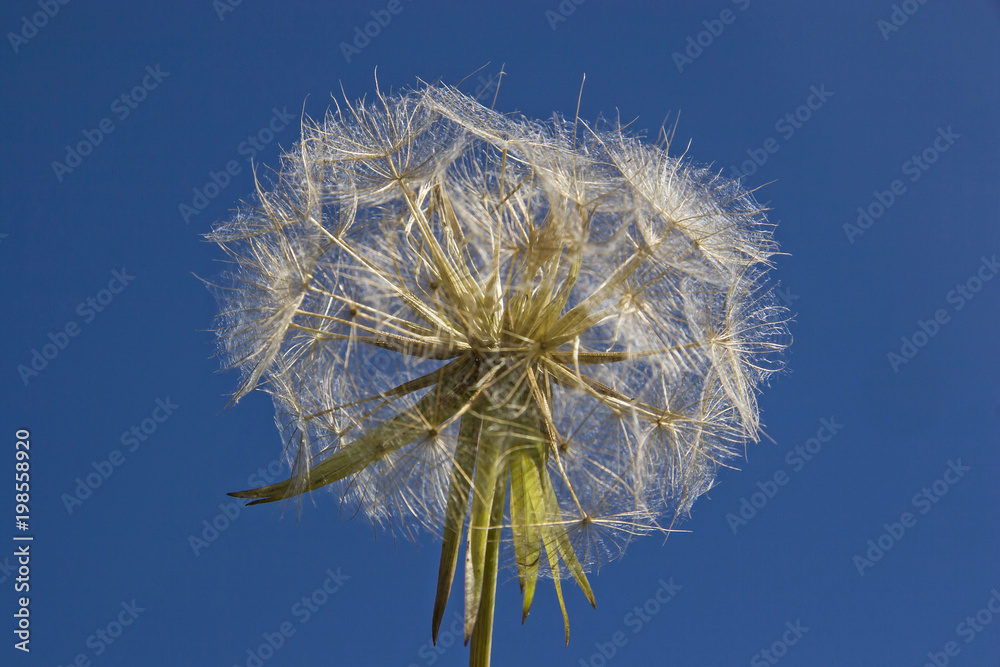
863, 531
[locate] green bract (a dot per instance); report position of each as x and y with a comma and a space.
538, 335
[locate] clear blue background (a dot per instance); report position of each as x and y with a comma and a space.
792, 562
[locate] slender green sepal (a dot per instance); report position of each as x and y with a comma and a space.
525, 504
436, 407
518, 516
454, 518
484, 486
482, 635
554, 564
558, 539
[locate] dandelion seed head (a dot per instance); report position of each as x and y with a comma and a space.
553, 332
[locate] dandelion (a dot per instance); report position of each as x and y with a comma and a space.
535, 340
